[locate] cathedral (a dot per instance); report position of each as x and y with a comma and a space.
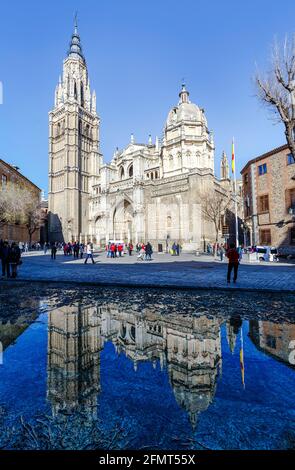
149, 191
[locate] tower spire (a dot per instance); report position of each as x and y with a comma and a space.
75, 49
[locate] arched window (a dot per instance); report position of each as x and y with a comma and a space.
122, 172
130, 172
87, 130
169, 221
156, 175
58, 129
132, 333
75, 90
82, 94
152, 176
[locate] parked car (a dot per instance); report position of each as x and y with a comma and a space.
267, 253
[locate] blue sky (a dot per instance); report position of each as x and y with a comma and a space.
137, 54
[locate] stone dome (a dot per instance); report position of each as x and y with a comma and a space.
185, 111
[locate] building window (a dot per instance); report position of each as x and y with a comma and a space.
263, 203
122, 173
290, 159
262, 169
265, 237
4, 181
271, 342
130, 171
290, 200
292, 235
246, 178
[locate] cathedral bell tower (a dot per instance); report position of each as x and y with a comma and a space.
224, 167
74, 157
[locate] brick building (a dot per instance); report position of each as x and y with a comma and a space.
269, 199
10, 175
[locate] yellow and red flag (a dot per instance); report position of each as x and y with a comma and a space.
233, 157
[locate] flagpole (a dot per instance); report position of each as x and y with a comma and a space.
235, 193
242, 364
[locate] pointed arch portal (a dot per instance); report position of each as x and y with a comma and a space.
123, 223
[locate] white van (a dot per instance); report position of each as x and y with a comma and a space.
267, 253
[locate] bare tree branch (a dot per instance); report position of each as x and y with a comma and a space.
19, 205
214, 206
276, 89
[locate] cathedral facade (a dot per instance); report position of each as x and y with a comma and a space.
148, 192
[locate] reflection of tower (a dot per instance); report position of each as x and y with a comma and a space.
232, 329
73, 359
194, 357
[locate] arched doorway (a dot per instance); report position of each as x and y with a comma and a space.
99, 231
123, 221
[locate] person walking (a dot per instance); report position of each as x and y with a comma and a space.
120, 249
233, 262
4, 255
149, 251
221, 252
53, 250
76, 250
141, 254
89, 253
14, 258
130, 249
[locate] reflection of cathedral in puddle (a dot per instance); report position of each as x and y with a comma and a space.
189, 347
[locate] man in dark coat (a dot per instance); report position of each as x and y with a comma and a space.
14, 258
4, 255
149, 251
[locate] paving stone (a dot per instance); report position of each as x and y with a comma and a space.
185, 271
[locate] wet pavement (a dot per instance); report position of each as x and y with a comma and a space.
186, 271
93, 367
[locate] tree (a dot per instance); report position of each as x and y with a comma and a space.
214, 206
11, 210
276, 89
20, 206
31, 212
